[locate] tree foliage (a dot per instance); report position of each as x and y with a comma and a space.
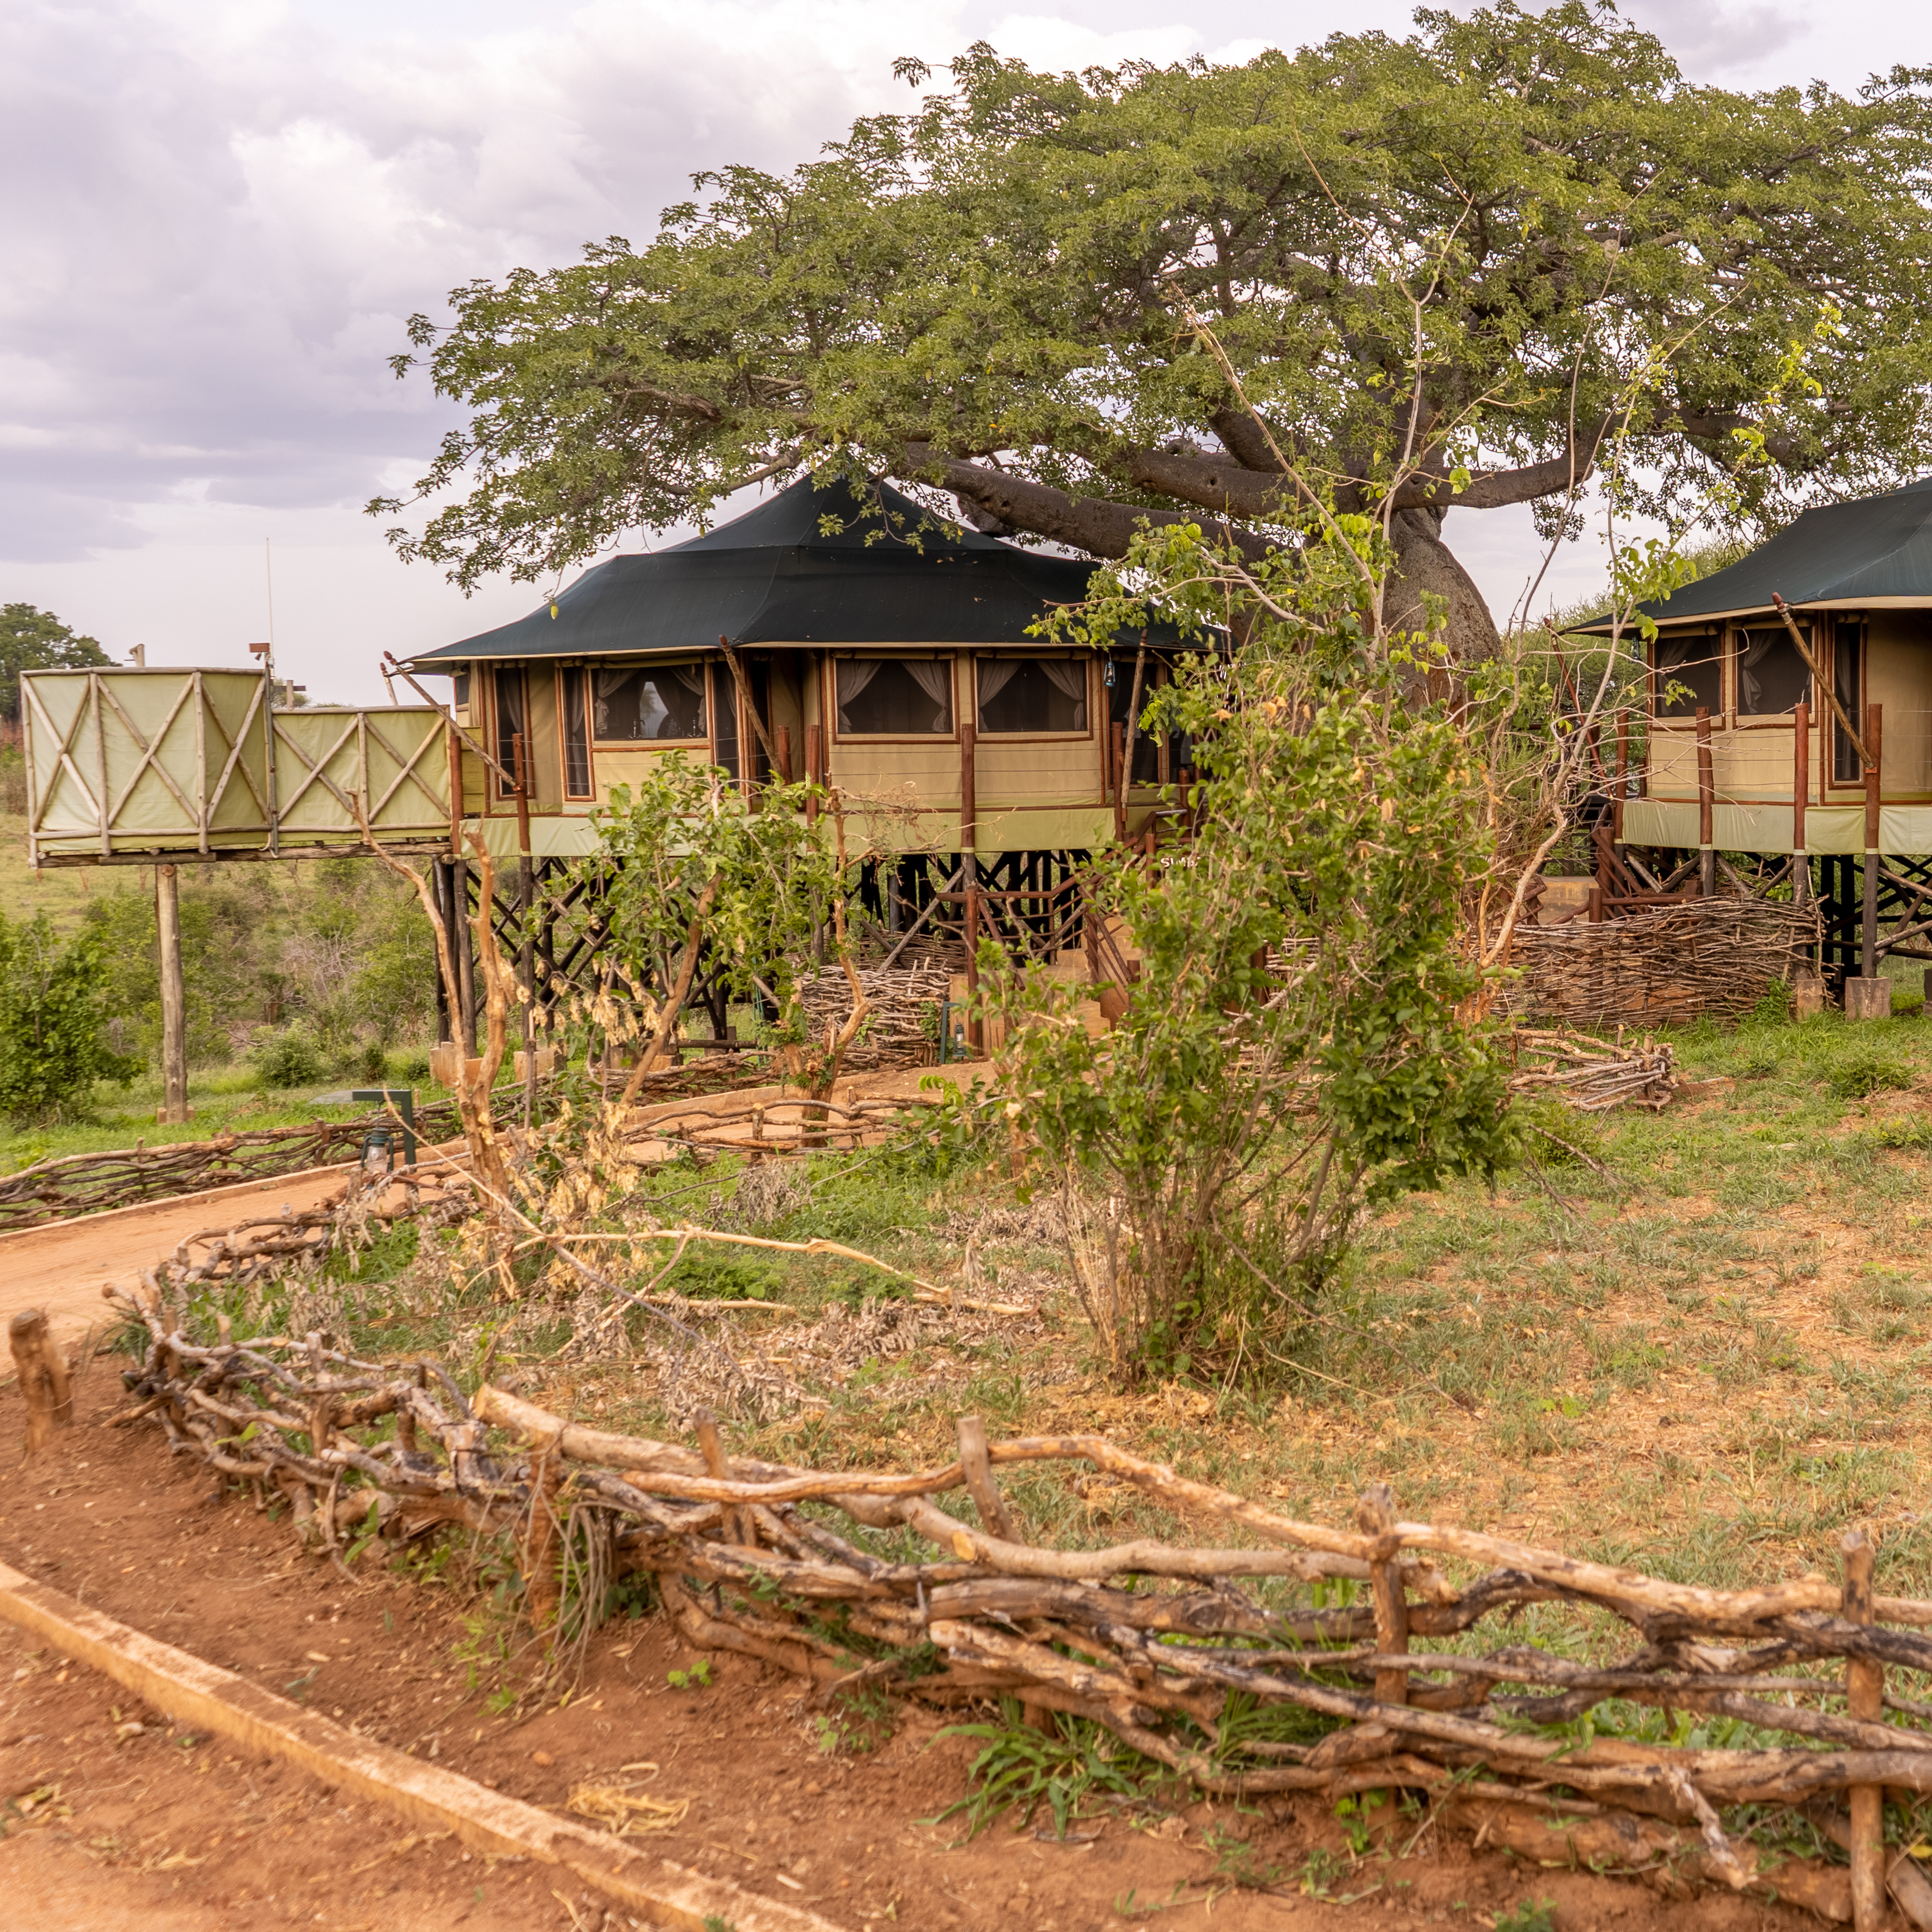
1296, 1043
34, 640
53, 1043
1446, 267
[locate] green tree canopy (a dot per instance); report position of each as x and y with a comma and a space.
32, 640
1445, 268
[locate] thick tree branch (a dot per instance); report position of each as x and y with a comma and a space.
1097, 525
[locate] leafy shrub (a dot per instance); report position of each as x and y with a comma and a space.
1858, 1075
13, 781
286, 1059
53, 1018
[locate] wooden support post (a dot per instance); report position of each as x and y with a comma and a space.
1375, 1516
1707, 856
465, 954
969, 865
1864, 1695
439, 892
173, 1109
455, 794
1868, 946
814, 774
42, 1368
523, 792
543, 1594
1622, 780
784, 754
1801, 798
711, 1446
1118, 755
978, 1469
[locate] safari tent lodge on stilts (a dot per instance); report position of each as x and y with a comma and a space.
835, 633
1788, 737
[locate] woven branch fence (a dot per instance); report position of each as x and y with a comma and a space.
1231, 1663
83, 1184
1663, 967
902, 1029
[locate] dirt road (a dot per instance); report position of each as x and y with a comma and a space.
61, 1267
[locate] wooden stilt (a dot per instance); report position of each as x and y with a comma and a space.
439, 887
44, 1388
174, 1108
1707, 856
1868, 943
460, 941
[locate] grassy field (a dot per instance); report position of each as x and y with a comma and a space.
1708, 1360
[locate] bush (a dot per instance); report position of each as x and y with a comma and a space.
286, 1059
1860, 1074
53, 1018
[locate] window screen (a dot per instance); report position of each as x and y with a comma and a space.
895, 697
574, 697
511, 713
1847, 650
1772, 676
1689, 676
459, 693
659, 703
1033, 695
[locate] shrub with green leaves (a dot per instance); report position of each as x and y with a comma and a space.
53, 1017
1295, 1047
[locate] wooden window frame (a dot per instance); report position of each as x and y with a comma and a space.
988, 735
564, 674
504, 787
597, 744
830, 684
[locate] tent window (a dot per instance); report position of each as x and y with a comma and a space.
1689, 676
575, 702
895, 697
1772, 680
664, 704
512, 712
1847, 649
1033, 697
459, 691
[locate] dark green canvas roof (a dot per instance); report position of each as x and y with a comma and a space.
773, 576
1874, 551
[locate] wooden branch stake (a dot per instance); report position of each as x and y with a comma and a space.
1375, 1516
1864, 1693
43, 1379
542, 1595
994, 1516
711, 1446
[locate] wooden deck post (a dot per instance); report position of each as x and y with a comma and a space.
1707, 855
814, 771
44, 1388
1868, 948
1864, 1696
969, 867
1119, 755
455, 793
784, 754
465, 954
1800, 797
1623, 779
173, 1109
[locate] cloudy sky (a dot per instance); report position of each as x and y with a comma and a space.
218, 212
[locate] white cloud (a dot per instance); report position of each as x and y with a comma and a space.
219, 212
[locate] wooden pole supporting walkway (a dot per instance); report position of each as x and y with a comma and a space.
173, 1109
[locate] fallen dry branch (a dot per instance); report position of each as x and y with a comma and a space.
1593, 1076
1665, 966
748, 1558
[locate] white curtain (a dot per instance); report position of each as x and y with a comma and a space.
995, 674
854, 674
691, 676
1753, 649
934, 675
1068, 676
605, 686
